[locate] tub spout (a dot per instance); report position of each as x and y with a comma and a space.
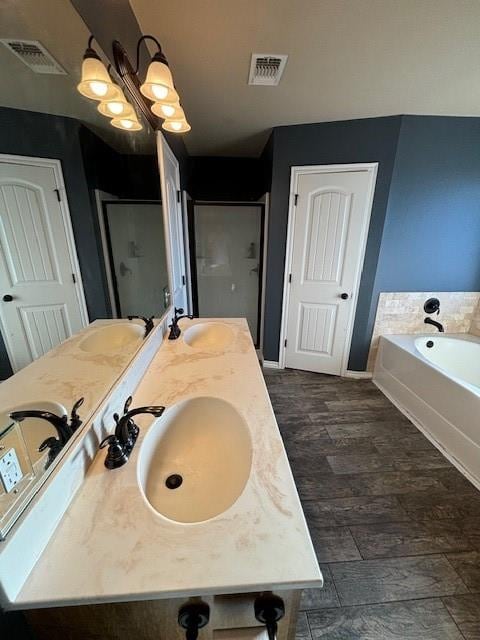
434, 323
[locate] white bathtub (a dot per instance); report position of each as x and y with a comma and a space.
435, 381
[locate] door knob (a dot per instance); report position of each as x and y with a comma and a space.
7, 298
344, 296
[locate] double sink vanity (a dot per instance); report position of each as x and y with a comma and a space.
202, 512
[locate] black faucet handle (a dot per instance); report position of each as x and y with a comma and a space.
75, 420
54, 447
127, 404
50, 443
154, 410
77, 406
110, 439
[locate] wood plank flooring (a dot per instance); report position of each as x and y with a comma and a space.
395, 526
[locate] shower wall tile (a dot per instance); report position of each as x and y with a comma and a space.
399, 313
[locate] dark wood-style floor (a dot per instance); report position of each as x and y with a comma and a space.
395, 526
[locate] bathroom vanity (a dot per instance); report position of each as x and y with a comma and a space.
133, 545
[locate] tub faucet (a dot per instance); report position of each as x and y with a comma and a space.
435, 324
63, 427
148, 323
175, 330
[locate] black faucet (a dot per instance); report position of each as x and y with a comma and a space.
148, 323
175, 330
121, 442
435, 324
63, 427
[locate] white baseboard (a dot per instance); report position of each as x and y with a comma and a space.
271, 364
358, 375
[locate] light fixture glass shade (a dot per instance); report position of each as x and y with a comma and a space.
168, 111
117, 107
127, 124
176, 126
96, 84
158, 85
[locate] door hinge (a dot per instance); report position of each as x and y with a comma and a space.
74, 278
178, 196
59, 197
184, 282
285, 343
289, 277
295, 200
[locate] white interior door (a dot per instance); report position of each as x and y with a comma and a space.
329, 228
171, 197
41, 299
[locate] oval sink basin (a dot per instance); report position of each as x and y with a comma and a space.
195, 460
113, 337
214, 336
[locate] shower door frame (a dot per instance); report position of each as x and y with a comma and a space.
192, 254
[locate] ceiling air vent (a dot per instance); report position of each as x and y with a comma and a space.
266, 69
34, 55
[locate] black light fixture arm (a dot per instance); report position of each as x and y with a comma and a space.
90, 51
159, 56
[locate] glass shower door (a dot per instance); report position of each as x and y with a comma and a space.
138, 260
228, 261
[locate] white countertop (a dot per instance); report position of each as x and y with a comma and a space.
110, 546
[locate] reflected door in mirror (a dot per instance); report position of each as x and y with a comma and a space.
39, 301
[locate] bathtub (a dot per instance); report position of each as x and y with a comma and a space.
435, 381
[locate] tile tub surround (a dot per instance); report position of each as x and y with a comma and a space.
399, 542
117, 548
399, 313
475, 325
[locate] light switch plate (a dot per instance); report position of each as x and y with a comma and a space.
10, 471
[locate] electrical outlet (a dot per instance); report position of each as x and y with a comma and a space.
10, 471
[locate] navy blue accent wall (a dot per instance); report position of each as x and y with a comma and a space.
226, 179
431, 239
369, 140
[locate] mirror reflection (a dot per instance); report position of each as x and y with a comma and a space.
76, 195
82, 238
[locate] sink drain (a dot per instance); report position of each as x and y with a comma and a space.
173, 481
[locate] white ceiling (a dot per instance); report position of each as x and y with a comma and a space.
347, 59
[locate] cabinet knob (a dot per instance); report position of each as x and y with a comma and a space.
344, 296
7, 298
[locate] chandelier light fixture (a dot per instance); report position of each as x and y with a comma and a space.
156, 98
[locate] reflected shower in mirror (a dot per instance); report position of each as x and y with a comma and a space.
137, 263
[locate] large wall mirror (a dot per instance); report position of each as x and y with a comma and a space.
82, 231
